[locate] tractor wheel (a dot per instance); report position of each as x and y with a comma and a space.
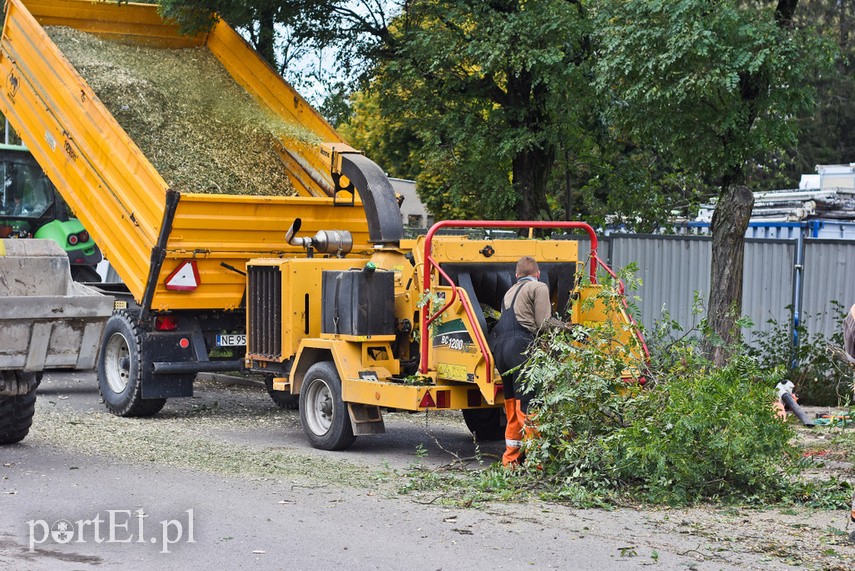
16, 413
282, 399
120, 369
487, 424
323, 414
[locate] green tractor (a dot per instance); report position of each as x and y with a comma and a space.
30, 207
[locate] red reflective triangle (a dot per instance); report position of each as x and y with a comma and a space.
184, 278
427, 401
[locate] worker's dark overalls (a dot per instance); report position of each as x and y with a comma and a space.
509, 341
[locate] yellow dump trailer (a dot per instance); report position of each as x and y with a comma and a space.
114, 189
154, 235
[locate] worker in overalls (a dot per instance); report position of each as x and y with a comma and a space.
525, 308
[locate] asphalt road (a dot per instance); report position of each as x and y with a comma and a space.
187, 501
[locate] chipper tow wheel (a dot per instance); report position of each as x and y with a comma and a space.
119, 369
16, 412
323, 414
487, 424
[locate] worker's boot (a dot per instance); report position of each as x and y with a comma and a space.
513, 434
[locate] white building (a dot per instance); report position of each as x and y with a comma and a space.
413, 211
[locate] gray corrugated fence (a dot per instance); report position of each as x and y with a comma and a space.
829, 266
673, 268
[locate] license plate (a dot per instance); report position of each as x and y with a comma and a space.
237, 340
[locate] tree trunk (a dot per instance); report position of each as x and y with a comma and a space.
729, 224
530, 174
531, 166
731, 220
266, 45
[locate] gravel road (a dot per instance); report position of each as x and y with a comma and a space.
226, 480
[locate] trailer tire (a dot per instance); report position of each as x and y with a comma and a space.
282, 399
16, 412
487, 424
323, 413
120, 369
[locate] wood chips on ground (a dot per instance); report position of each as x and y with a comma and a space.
201, 130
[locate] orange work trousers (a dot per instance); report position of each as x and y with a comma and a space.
519, 429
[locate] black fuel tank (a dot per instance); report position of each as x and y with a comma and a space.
358, 302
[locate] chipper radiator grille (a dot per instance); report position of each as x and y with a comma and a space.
265, 312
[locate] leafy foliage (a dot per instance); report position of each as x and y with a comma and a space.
827, 136
485, 87
687, 75
711, 87
297, 38
386, 138
694, 432
257, 19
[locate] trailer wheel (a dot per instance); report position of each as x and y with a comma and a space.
119, 369
16, 412
323, 414
487, 424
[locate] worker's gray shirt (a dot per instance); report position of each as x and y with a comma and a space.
532, 307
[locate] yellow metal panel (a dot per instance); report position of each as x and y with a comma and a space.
302, 277
376, 355
356, 389
230, 223
592, 312
100, 172
451, 372
129, 23
224, 288
454, 351
358, 338
346, 355
459, 249
400, 396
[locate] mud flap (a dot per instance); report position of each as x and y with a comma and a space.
366, 419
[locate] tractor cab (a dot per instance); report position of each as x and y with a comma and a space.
30, 207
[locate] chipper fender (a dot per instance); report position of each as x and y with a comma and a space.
331, 421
